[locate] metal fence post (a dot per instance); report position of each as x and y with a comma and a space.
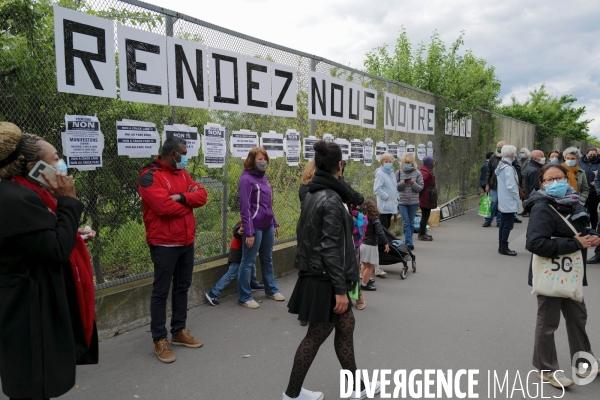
224, 202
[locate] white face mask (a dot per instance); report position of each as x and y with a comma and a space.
542, 160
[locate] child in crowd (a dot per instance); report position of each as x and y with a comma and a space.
358, 234
369, 254
235, 257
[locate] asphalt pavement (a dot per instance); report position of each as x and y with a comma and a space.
466, 307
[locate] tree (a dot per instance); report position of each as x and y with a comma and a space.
466, 81
554, 116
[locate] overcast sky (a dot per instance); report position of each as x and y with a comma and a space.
529, 42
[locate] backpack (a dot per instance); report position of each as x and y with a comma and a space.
360, 227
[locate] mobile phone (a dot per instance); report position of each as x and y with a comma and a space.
407, 180
40, 166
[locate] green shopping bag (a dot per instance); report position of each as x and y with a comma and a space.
353, 294
485, 206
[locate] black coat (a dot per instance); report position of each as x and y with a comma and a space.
548, 235
374, 234
324, 234
41, 336
589, 168
531, 178
491, 178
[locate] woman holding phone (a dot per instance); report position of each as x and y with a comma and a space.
47, 320
410, 184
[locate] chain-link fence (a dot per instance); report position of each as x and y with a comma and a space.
112, 203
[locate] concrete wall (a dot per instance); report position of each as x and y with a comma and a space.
125, 307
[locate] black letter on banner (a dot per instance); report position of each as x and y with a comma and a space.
390, 111
322, 100
180, 62
353, 116
70, 27
413, 107
254, 85
133, 66
340, 88
369, 108
289, 76
218, 98
429, 119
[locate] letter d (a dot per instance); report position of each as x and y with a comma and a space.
346, 381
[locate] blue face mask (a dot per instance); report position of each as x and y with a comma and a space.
182, 163
407, 166
523, 155
61, 166
571, 163
557, 189
554, 160
388, 167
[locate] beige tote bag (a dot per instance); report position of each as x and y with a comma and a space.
561, 276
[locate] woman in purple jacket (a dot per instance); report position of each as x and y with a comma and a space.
260, 227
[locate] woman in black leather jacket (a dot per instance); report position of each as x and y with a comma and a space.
326, 260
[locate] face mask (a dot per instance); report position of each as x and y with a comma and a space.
554, 160
571, 163
262, 165
499, 150
182, 163
407, 166
523, 155
592, 158
542, 160
388, 166
558, 189
61, 166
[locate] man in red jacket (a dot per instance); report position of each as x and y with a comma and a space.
169, 196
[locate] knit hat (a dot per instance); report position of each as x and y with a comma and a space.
428, 161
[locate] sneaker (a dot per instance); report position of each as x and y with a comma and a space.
555, 378
254, 288
303, 323
360, 303
371, 280
212, 299
163, 351
425, 237
277, 296
249, 304
380, 272
368, 287
486, 224
306, 395
363, 394
411, 247
185, 338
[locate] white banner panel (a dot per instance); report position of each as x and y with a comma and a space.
284, 89
318, 101
227, 80
389, 111
188, 78
85, 53
369, 113
353, 104
258, 86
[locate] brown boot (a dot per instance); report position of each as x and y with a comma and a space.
163, 351
360, 303
185, 338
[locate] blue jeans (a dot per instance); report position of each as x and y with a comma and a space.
408, 221
171, 264
495, 210
506, 225
230, 275
263, 247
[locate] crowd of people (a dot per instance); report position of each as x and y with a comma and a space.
561, 201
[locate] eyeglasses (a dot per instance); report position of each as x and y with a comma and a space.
550, 180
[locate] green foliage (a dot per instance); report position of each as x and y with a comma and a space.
553, 116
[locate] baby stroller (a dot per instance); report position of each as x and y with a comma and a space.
399, 253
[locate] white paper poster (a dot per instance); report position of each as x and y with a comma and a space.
401, 149
356, 150
421, 151
292, 147
242, 142
188, 133
368, 152
380, 148
411, 149
468, 126
328, 137
272, 142
213, 142
392, 148
309, 151
345, 146
83, 142
430, 149
137, 139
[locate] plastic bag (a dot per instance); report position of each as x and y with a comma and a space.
485, 206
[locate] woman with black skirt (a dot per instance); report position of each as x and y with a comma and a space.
328, 270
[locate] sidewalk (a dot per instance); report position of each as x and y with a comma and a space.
467, 307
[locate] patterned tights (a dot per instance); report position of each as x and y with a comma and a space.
308, 348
